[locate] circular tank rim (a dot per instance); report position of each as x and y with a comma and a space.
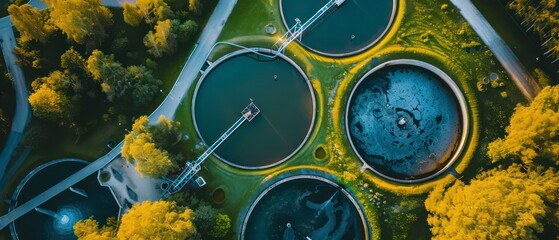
238, 53
305, 176
21, 185
459, 97
345, 54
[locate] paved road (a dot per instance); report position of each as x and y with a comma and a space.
197, 59
168, 107
500, 49
23, 111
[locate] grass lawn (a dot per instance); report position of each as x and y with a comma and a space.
421, 31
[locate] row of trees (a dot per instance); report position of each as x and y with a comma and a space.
516, 200
543, 18
57, 97
61, 94
164, 219
85, 22
149, 220
81, 21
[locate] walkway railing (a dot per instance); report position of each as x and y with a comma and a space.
297, 30
192, 169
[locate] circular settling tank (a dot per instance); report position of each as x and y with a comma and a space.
55, 218
407, 120
276, 86
348, 29
303, 207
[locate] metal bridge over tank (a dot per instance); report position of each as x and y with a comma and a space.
192, 168
297, 30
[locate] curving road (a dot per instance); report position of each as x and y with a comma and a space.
23, 110
168, 107
500, 49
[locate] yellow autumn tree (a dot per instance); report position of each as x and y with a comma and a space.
149, 10
499, 204
131, 14
30, 22
221, 227
88, 229
50, 104
157, 220
533, 131
160, 220
139, 147
80, 20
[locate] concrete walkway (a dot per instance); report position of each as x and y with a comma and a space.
500, 49
128, 186
167, 108
197, 59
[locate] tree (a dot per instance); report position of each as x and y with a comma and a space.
73, 61
51, 99
208, 220
162, 41
30, 22
135, 83
541, 77
49, 104
195, 7
166, 133
157, 220
88, 229
498, 204
205, 217
221, 226
80, 20
143, 85
533, 132
140, 147
150, 10
27, 55
543, 19
109, 73
131, 14
98, 63
148, 220
184, 31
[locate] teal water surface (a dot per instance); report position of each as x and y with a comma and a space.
305, 209
404, 121
99, 204
278, 89
351, 27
